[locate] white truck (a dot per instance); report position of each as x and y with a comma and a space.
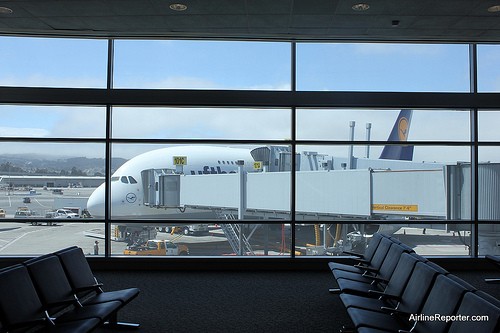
191, 229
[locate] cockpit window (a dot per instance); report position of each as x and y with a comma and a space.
124, 179
115, 179
132, 180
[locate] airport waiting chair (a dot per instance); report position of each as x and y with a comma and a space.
86, 286
382, 275
371, 298
22, 309
364, 258
411, 302
372, 267
57, 295
474, 305
367, 266
443, 299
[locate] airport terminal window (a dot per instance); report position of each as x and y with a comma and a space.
426, 199
433, 239
183, 64
488, 73
383, 67
53, 62
42, 121
156, 194
201, 123
488, 189
487, 125
376, 125
45, 190
206, 240
435, 185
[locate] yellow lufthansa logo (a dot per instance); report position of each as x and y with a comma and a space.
395, 208
180, 160
403, 129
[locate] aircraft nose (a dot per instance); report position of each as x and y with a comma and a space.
95, 204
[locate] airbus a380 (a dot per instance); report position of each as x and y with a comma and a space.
126, 183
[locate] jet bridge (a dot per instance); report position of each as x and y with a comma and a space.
329, 194
440, 193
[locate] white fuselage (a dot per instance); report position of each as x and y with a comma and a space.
126, 183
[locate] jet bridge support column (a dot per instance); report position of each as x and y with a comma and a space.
242, 202
350, 154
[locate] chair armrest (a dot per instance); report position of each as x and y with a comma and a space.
67, 302
383, 295
92, 287
366, 268
377, 278
394, 311
30, 323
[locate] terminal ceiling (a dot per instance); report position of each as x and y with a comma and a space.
386, 20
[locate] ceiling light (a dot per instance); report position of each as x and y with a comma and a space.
360, 7
494, 9
5, 10
178, 7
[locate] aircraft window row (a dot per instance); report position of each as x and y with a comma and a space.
127, 180
225, 162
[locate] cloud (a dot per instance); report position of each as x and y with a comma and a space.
29, 132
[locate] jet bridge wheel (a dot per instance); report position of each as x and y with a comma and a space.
185, 231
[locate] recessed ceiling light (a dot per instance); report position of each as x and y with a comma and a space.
178, 7
494, 9
360, 7
5, 10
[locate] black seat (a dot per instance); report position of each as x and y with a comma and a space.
21, 307
56, 293
370, 297
372, 266
85, 285
474, 305
382, 275
362, 259
411, 302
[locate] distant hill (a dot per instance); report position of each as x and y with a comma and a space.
35, 164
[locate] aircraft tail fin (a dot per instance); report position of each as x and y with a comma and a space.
399, 133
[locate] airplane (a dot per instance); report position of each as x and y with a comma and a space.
126, 182
126, 185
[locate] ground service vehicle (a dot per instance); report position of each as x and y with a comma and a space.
157, 247
192, 229
65, 214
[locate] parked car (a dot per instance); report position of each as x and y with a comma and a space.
65, 214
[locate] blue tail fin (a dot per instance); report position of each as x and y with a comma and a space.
399, 133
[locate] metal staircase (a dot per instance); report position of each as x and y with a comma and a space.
232, 232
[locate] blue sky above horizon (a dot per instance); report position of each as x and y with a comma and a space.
56, 62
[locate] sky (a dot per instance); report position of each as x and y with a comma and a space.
57, 62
